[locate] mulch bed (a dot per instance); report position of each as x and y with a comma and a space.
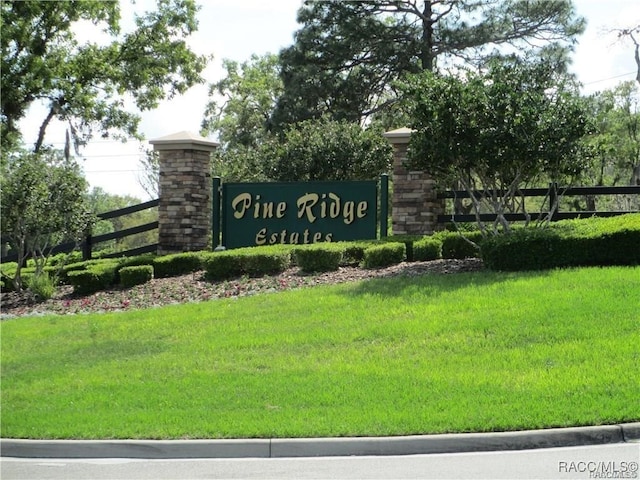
193, 288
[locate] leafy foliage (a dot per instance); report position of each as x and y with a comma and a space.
321, 257
616, 141
496, 132
347, 55
43, 203
570, 243
85, 84
383, 255
135, 275
241, 103
325, 149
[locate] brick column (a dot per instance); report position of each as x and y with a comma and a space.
184, 211
415, 207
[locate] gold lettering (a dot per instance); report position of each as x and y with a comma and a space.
256, 208
348, 213
362, 209
334, 209
317, 237
280, 209
305, 204
244, 199
261, 237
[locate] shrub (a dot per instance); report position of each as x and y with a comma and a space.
60, 259
135, 275
73, 267
42, 285
253, 261
383, 255
222, 265
94, 278
408, 241
264, 261
177, 264
353, 252
322, 257
570, 243
458, 245
427, 249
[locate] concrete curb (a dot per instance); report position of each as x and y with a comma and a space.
316, 447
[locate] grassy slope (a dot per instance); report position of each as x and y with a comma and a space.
467, 352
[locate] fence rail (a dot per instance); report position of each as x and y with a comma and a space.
90, 241
553, 192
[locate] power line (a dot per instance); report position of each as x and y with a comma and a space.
610, 78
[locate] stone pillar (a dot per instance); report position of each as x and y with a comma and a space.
184, 211
415, 207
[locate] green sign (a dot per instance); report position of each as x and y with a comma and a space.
297, 213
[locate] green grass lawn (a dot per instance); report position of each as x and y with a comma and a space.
457, 353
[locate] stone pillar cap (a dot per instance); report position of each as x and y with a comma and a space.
184, 141
400, 135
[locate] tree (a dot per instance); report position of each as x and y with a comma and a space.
43, 203
498, 131
238, 111
616, 142
326, 149
88, 85
633, 34
241, 103
347, 55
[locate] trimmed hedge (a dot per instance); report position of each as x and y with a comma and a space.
324, 257
408, 240
457, 245
569, 243
135, 275
178, 264
427, 249
253, 261
95, 278
383, 255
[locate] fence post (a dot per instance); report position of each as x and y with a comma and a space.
384, 205
554, 206
184, 209
87, 247
215, 214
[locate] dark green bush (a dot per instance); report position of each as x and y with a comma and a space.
94, 278
144, 259
177, 264
408, 240
323, 257
64, 272
253, 261
458, 245
383, 255
264, 261
570, 243
135, 275
222, 265
427, 249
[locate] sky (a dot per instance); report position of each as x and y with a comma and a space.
236, 29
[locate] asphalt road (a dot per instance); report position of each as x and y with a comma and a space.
599, 461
